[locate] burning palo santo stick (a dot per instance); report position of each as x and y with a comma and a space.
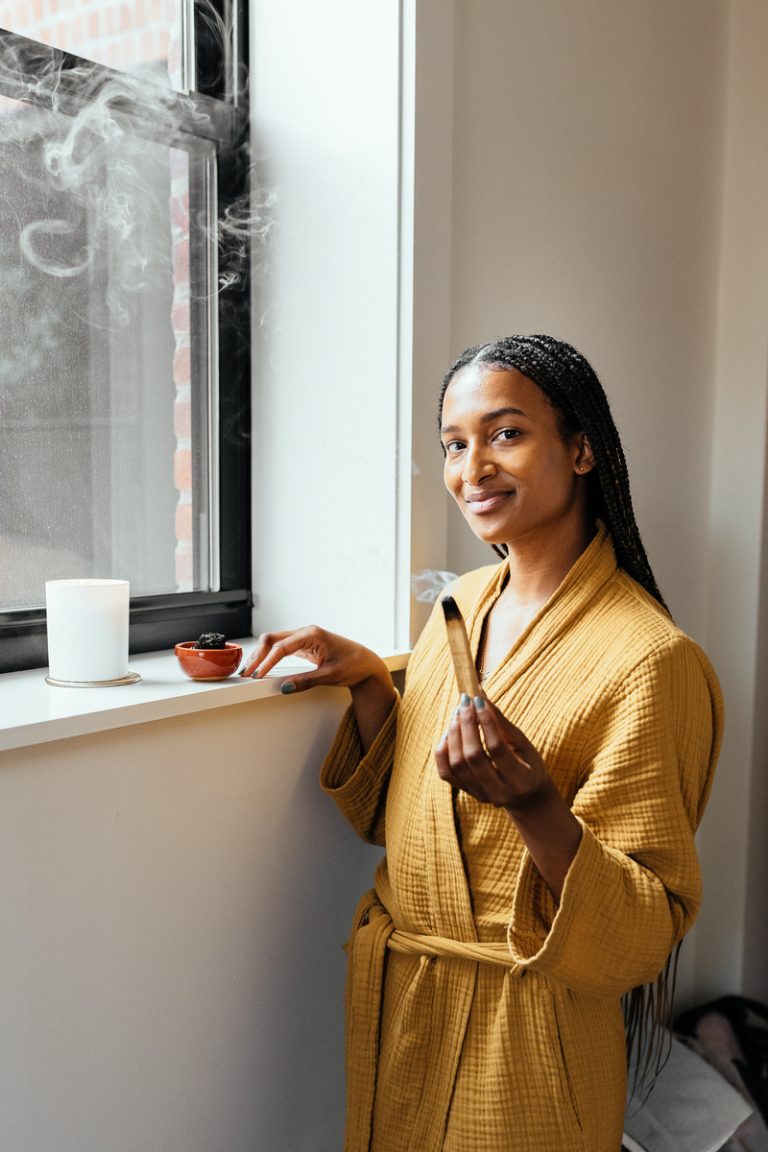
463, 664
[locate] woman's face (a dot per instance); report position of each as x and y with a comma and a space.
507, 465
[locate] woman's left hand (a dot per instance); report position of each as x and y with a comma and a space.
502, 768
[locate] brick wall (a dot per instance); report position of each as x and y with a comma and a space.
120, 33
182, 367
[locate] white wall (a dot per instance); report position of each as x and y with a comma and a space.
427, 203
174, 898
610, 180
325, 106
732, 939
588, 159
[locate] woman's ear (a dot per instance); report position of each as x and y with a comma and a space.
585, 460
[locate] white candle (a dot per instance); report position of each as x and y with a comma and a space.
87, 629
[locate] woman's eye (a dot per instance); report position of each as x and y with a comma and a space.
508, 434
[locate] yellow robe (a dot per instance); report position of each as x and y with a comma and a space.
481, 1016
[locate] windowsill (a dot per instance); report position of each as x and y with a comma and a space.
35, 712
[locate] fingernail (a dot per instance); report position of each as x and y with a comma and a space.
479, 702
287, 687
465, 700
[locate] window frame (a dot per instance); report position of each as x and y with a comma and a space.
160, 621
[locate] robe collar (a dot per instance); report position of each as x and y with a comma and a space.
582, 583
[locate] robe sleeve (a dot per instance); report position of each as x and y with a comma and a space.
634, 888
357, 781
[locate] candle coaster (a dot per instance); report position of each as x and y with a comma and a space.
130, 678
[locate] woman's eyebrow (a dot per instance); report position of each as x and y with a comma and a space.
486, 418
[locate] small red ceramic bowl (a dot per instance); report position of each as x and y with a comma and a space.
208, 663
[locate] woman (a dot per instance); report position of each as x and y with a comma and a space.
540, 864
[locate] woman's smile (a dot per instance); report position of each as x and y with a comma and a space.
480, 503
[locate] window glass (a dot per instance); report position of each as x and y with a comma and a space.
103, 438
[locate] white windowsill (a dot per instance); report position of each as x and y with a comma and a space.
35, 712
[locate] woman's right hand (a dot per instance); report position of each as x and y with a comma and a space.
339, 662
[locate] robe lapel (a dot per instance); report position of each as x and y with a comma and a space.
449, 890
451, 907
449, 896
593, 569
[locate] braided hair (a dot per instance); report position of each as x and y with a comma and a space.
574, 391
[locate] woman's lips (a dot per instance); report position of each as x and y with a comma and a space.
488, 502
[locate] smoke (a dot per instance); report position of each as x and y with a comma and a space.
47, 228
426, 586
97, 146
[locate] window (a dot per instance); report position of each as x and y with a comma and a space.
124, 347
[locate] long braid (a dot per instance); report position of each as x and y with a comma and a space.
574, 391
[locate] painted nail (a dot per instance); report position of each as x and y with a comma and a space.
479, 702
287, 687
465, 700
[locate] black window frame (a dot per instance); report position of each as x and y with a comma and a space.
221, 92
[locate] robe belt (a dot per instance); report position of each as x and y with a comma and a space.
373, 934
413, 944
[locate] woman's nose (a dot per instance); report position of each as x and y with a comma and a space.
478, 463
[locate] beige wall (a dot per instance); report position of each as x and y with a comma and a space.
733, 935
588, 159
611, 187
